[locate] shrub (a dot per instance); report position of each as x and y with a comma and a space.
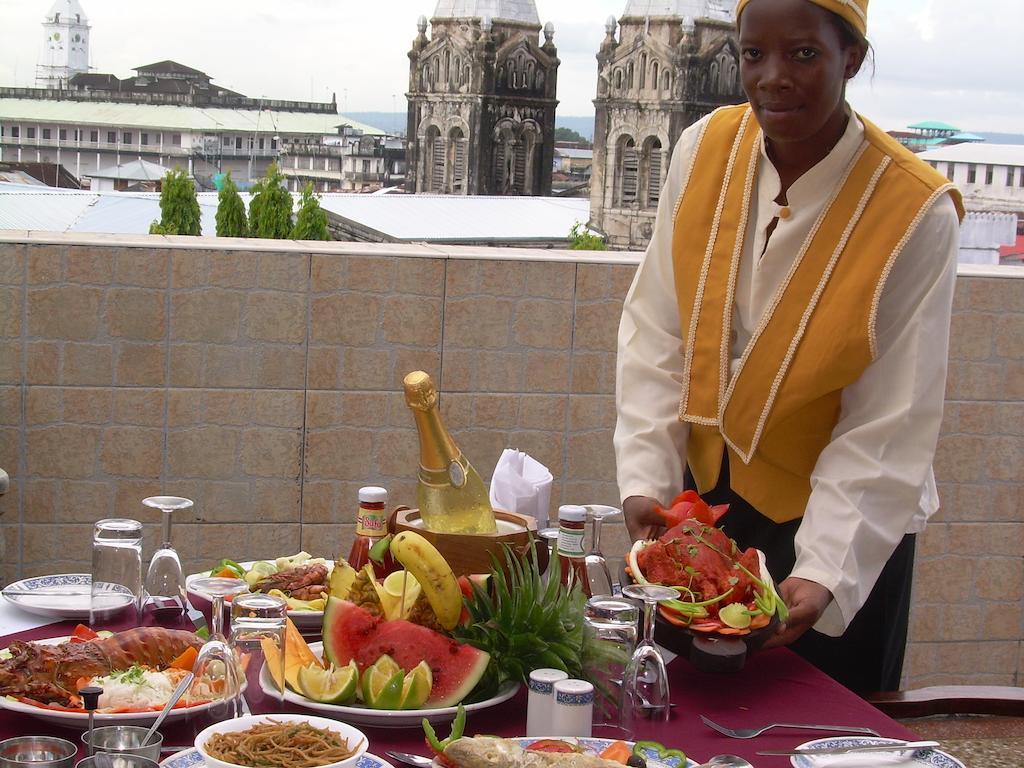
231, 220
311, 220
580, 239
270, 208
179, 209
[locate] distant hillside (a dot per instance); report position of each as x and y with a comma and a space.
395, 122
1001, 138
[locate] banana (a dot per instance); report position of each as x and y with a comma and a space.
435, 576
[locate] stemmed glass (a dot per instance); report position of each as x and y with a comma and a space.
645, 681
597, 566
218, 588
217, 666
165, 580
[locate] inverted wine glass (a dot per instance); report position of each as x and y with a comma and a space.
165, 580
598, 574
218, 588
645, 692
216, 668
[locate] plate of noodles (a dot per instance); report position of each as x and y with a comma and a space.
282, 741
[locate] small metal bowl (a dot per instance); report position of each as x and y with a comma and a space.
124, 740
37, 752
118, 760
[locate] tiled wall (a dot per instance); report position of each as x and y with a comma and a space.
266, 385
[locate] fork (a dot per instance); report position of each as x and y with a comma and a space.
749, 733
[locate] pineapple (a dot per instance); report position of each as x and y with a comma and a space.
364, 594
526, 624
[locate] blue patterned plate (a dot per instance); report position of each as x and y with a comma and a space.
591, 746
921, 758
190, 758
73, 605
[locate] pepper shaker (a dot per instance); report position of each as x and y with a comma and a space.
91, 701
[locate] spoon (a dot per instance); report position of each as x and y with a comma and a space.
186, 681
726, 761
409, 759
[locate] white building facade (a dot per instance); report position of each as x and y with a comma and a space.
65, 45
990, 176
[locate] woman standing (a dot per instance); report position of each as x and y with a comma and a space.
784, 343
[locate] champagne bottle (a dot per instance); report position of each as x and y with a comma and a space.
451, 496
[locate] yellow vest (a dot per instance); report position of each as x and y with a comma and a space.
777, 413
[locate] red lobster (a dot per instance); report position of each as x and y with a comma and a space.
49, 673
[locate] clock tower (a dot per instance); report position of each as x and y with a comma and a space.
65, 45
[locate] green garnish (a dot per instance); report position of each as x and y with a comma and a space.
380, 548
134, 675
458, 726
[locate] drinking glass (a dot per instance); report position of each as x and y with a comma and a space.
216, 668
597, 566
609, 638
645, 691
116, 569
218, 588
258, 620
165, 580
550, 537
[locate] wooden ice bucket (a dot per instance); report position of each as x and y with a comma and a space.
470, 553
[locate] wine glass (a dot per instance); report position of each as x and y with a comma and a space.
165, 580
597, 566
645, 694
216, 667
218, 588
550, 536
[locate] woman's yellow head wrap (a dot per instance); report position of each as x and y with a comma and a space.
854, 11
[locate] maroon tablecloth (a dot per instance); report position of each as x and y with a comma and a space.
776, 686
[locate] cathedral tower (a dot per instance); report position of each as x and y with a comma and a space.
482, 100
65, 45
674, 61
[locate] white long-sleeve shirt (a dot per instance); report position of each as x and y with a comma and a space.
873, 482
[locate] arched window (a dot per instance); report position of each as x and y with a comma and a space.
629, 75
666, 80
723, 73
618, 79
626, 172
652, 164
433, 161
643, 71
457, 160
447, 67
654, 75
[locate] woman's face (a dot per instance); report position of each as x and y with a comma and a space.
794, 70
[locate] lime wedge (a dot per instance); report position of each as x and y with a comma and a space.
416, 686
735, 615
329, 686
382, 684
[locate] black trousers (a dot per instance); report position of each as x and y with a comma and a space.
869, 655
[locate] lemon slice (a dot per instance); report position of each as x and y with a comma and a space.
391, 594
416, 686
329, 686
382, 684
735, 615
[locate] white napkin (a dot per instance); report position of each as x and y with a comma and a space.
521, 484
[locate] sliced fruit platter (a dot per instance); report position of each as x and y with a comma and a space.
420, 642
723, 591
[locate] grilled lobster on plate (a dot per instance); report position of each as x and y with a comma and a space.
49, 674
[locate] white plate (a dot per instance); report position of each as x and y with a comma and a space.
190, 758
72, 605
591, 746
382, 718
932, 758
81, 719
303, 619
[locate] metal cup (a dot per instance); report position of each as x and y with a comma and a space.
118, 760
37, 752
125, 740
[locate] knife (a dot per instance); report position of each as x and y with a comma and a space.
198, 621
902, 746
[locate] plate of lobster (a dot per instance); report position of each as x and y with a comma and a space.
135, 668
728, 604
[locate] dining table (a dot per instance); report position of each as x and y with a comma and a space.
774, 686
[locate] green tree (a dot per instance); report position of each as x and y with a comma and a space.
179, 209
580, 239
270, 207
311, 220
568, 134
231, 221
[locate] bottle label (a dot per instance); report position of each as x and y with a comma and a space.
456, 474
371, 522
570, 542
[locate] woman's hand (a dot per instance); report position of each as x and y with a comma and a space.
806, 600
642, 521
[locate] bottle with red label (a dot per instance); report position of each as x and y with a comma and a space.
371, 528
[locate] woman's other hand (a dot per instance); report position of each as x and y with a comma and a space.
642, 521
806, 600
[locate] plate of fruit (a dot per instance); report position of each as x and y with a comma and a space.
421, 642
728, 604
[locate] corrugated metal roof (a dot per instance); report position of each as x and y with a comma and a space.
452, 218
579, 154
136, 170
933, 125
979, 153
175, 118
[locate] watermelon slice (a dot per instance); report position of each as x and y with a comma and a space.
350, 632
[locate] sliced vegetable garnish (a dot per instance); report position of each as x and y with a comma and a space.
658, 751
458, 726
552, 745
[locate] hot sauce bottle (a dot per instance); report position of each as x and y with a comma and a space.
371, 528
572, 523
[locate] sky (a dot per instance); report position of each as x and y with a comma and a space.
934, 59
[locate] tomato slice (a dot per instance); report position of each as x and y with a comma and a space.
83, 634
551, 745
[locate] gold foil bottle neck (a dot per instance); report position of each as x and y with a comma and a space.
420, 391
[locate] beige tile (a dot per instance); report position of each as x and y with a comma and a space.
66, 451
597, 326
189, 269
323, 367
204, 452
412, 321
136, 314
90, 265
87, 365
88, 405
233, 367
502, 278
141, 365
370, 274
327, 273
269, 452
1002, 621
328, 540
358, 409
186, 366
141, 267
543, 323
1009, 336
593, 373
84, 501
592, 412
43, 500
45, 263
132, 452
480, 323
11, 364
1000, 578
276, 316
11, 306
549, 280
12, 264
419, 277
10, 449
547, 447
44, 405
283, 271
129, 493
64, 312
396, 452
233, 269
10, 406
209, 315
320, 502
186, 406
141, 407
276, 501
341, 453
278, 408
45, 545
591, 457
461, 278
365, 368
10, 553
547, 371
408, 360
495, 411
281, 367
345, 319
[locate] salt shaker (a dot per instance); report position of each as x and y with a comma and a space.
573, 712
540, 701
